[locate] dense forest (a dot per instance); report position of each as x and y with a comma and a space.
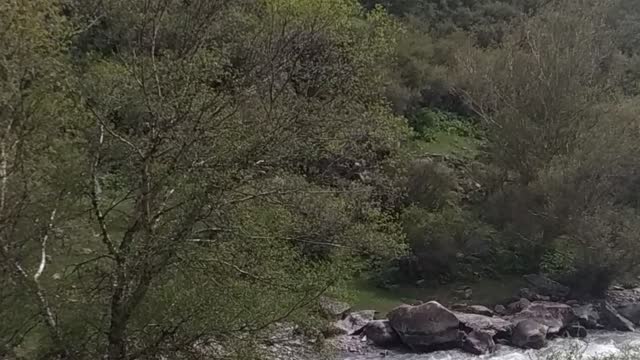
177, 171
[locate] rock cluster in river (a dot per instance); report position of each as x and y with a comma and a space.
524, 323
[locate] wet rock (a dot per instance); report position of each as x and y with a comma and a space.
518, 306
631, 312
332, 308
355, 321
588, 315
529, 334
554, 316
576, 331
478, 343
618, 296
542, 285
481, 323
500, 309
465, 292
613, 320
572, 302
381, 333
477, 309
526, 293
425, 327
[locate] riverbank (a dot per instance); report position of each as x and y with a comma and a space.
364, 295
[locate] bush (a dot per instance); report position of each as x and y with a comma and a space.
448, 244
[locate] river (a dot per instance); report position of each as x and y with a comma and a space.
596, 345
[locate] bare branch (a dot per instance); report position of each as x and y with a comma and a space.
43, 259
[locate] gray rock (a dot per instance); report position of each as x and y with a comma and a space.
542, 285
500, 309
576, 331
613, 320
381, 333
588, 315
481, 323
465, 292
478, 343
355, 321
529, 334
618, 296
425, 327
630, 311
473, 309
554, 316
518, 306
526, 293
332, 308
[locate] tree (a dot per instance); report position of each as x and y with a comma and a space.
214, 181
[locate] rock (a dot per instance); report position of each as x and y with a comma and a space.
425, 327
588, 316
478, 343
631, 312
529, 334
572, 302
500, 309
381, 333
355, 321
518, 306
542, 285
526, 293
618, 296
493, 325
554, 316
473, 309
332, 308
576, 331
465, 292
613, 320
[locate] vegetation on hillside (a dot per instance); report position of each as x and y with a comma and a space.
175, 173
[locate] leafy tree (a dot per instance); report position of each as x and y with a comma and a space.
211, 182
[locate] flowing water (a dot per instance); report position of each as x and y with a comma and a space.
596, 345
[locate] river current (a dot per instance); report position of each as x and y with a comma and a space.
596, 345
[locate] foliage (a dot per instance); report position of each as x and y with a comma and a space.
206, 183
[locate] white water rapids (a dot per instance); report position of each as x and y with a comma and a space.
598, 344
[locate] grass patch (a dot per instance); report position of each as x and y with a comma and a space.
447, 143
364, 295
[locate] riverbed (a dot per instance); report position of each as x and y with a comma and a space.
598, 344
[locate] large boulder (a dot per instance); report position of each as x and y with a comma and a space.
381, 333
478, 343
554, 316
588, 315
630, 311
492, 325
332, 308
426, 327
355, 321
613, 320
542, 285
473, 309
529, 334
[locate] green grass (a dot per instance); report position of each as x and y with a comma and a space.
364, 295
447, 143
